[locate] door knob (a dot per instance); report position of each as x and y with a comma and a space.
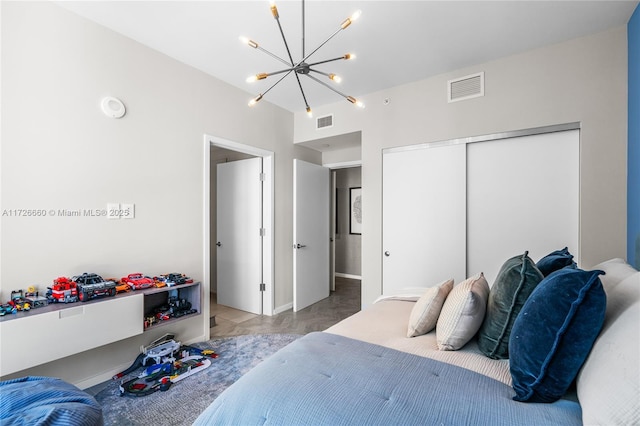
219, 244
386, 253
299, 246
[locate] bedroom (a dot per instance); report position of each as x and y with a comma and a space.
58, 151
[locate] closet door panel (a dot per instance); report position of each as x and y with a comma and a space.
522, 194
423, 217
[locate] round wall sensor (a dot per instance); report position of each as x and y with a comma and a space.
113, 107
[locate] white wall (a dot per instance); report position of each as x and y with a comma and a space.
60, 152
583, 80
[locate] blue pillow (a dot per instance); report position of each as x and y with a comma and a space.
555, 261
517, 278
554, 333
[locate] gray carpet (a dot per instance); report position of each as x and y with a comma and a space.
185, 400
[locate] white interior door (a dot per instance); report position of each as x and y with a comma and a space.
424, 232
239, 245
310, 234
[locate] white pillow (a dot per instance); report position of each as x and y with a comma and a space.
462, 313
425, 312
608, 383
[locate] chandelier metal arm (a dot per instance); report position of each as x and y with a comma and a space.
328, 60
274, 56
269, 74
327, 86
322, 44
279, 80
284, 39
306, 104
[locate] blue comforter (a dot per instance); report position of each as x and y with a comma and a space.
326, 379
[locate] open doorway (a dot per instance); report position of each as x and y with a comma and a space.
342, 154
220, 151
347, 217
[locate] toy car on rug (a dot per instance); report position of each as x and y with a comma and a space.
91, 286
172, 362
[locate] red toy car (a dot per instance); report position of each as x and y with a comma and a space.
138, 281
63, 290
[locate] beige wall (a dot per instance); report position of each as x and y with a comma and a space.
584, 80
60, 152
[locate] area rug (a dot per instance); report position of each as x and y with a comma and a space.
186, 399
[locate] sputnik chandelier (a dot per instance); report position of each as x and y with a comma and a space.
302, 67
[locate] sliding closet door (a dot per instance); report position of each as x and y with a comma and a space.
423, 216
522, 194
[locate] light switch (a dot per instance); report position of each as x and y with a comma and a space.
128, 211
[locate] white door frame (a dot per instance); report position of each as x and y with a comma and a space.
268, 242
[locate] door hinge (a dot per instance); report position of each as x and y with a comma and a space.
263, 287
263, 177
263, 232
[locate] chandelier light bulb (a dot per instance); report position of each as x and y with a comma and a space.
355, 101
335, 78
350, 19
349, 56
248, 42
260, 76
274, 9
309, 113
255, 100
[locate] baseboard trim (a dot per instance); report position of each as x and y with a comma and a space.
282, 308
353, 277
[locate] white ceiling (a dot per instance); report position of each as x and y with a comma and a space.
395, 42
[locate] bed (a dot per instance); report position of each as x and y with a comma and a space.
365, 370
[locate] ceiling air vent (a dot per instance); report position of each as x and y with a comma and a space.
470, 86
324, 122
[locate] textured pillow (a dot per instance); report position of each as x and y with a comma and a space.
555, 261
554, 332
515, 281
462, 313
425, 312
608, 384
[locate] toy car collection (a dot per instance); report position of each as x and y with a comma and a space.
88, 286
138, 281
93, 285
63, 290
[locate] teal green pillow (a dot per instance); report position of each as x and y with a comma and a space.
554, 333
516, 280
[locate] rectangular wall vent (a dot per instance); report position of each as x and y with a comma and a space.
324, 122
468, 87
